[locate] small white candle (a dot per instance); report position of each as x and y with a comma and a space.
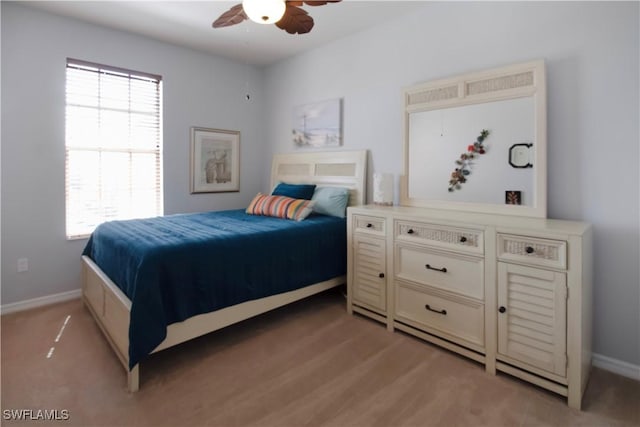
383, 188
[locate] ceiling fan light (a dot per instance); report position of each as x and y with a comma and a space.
264, 11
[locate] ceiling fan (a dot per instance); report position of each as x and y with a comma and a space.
287, 15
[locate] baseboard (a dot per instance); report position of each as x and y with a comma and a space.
39, 302
619, 367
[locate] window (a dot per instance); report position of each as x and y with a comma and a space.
113, 146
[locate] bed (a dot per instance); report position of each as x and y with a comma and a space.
136, 328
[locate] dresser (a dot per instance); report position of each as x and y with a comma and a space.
512, 293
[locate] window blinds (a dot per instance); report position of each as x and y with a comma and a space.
113, 146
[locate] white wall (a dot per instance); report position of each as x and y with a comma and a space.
198, 90
591, 52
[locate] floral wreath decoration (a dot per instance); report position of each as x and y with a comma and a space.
459, 175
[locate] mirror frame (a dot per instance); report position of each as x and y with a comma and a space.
504, 83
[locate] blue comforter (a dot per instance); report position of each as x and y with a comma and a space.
178, 266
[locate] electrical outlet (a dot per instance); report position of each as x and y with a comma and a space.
23, 265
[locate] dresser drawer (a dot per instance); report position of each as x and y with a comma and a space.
531, 250
460, 318
368, 224
450, 272
460, 239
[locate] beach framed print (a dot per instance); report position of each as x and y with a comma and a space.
318, 124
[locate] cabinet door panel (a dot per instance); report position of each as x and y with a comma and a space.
532, 326
369, 276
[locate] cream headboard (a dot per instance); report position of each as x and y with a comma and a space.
324, 168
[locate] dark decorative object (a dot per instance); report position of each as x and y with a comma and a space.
513, 197
459, 175
520, 155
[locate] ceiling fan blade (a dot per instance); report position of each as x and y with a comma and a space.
295, 20
319, 2
233, 16
311, 2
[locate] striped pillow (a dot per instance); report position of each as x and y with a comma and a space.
280, 207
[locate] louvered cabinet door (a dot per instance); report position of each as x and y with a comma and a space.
532, 318
369, 276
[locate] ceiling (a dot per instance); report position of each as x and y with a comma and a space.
188, 23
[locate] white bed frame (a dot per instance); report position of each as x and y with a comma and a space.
111, 308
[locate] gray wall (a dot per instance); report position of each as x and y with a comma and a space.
198, 90
591, 53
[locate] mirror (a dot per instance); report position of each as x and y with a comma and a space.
478, 142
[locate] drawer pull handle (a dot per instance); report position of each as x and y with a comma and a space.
381, 275
410, 231
502, 309
529, 249
463, 239
443, 312
369, 225
441, 270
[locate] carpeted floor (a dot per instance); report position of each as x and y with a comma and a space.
306, 364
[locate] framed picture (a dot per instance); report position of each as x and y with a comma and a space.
318, 125
513, 197
215, 160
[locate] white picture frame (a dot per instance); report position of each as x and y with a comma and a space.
215, 160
